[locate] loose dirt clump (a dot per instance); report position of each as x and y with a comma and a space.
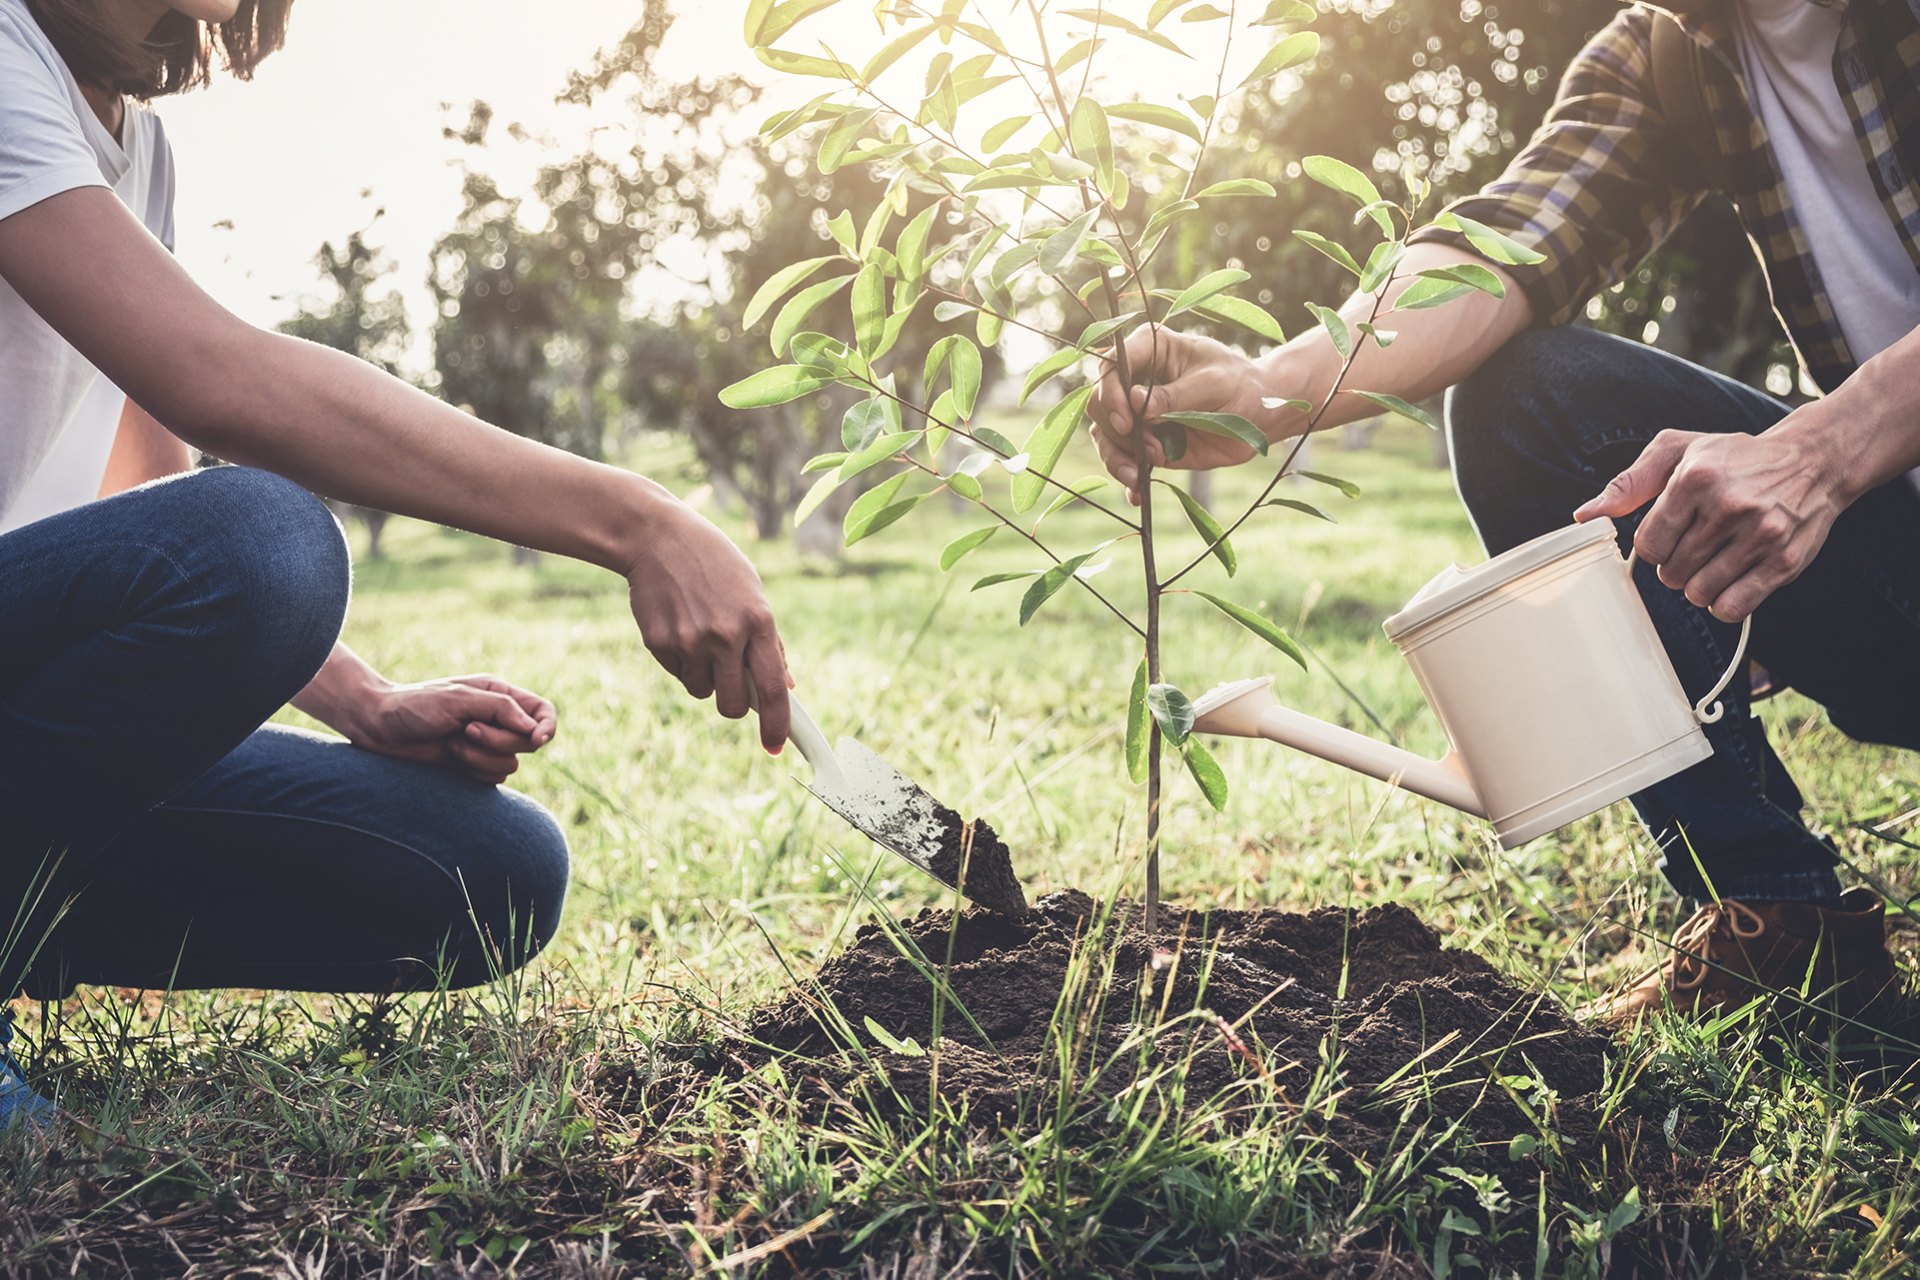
1215, 999
989, 863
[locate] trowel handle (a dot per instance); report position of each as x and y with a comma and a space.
806, 735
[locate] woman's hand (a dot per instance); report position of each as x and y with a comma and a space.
704, 617
479, 724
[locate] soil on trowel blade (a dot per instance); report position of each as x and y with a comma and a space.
1418, 1024
989, 863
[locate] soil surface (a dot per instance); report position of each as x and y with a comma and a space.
1216, 999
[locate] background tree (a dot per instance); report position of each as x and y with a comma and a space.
358, 323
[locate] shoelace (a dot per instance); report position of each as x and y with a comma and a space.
1690, 941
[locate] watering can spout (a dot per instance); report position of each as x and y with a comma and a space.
1247, 709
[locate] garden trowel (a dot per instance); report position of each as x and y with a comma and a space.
897, 813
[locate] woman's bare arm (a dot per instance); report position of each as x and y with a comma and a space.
343, 428
143, 450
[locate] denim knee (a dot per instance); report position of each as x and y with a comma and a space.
272, 574
520, 913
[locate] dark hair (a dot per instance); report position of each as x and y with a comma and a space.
176, 55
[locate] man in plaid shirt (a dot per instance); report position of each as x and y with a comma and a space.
1805, 519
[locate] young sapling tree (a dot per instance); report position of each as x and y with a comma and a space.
1047, 204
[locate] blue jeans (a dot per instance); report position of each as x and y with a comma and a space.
153, 834
1543, 426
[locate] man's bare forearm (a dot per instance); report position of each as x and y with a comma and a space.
1431, 349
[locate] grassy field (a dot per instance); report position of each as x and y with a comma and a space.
587, 1118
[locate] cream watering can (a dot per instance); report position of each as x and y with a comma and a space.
1544, 670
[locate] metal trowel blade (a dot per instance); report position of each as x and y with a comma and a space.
885, 805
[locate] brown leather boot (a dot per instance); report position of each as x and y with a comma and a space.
1730, 952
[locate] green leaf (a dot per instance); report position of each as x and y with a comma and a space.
1012, 260
937, 357
1336, 328
840, 226
1093, 140
777, 285
1231, 425
1306, 507
1290, 52
1203, 13
945, 311
1209, 529
1202, 289
1259, 625
1075, 491
881, 450
1522, 1146
1172, 710
822, 351
1058, 250
1049, 585
773, 386
1166, 216
1065, 358
1137, 725
824, 462
981, 250
1108, 18
995, 579
1331, 250
873, 501
1381, 211
966, 486
1380, 264
894, 51
1235, 187
798, 309
1347, 487
1203, 105
954, 551
1157, 116
815, 496
1285, 13
996, 137
1342, 177
1238, 311
804, 64
1383, 338
1045, 446
786, 16
995, 441
965, 376
987, 326
840, 138
1493, 244
911, 248
1205, 771
1470, 274
1100, 330
756, 18
1156, 15
869, 513
867, 421
781, 123
1394, 404
869, 309
1425, 294
908, 1047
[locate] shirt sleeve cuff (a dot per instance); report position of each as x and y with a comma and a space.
44, 184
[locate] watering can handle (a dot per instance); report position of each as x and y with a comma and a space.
1700, 711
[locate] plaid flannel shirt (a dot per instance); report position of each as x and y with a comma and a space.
1605, 179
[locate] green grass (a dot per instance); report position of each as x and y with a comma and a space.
589, 1115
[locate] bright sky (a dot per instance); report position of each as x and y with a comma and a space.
356, 101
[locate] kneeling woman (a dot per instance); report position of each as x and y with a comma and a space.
152, 618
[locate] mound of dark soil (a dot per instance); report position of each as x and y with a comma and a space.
1214, 998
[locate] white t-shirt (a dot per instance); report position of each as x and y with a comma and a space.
58, 413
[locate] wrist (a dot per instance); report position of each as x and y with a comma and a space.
1288, 373
646, 515
1837, 444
